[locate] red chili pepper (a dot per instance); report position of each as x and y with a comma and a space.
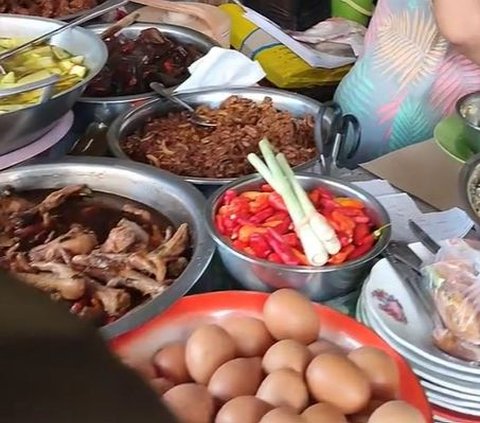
262, 215
249, 251
259, 245
274, 258
239, 245
341, 256
168, 66
266, 188
346, 224
315, 197
219, 224
279, 215
276, 201
332, 222
229, 196
361, 219
292, 240
324, 193
368, 240
360, 232
283, 250
359, 251
253, 195
327, 205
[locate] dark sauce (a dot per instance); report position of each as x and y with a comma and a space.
99, 212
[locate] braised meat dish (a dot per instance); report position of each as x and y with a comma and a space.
46, 8
101, 255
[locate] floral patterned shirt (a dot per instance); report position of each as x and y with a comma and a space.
407, 79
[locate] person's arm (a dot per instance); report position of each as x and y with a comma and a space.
459, 23
55, 368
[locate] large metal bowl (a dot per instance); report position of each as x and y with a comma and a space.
127, 123
105, 109
24, 126
319, 283
162, 191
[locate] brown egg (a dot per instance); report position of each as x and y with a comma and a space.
322, 346
381, 371
363, 415
289, 315
250, 335
206, 350
170, 363
241, 376
282, 415
335, 379
161, 385
323, 412
396, 412
284, 388
244, 409
190, 403
287, 354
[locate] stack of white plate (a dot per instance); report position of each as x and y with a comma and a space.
388, 307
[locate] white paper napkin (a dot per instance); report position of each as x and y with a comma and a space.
222, 68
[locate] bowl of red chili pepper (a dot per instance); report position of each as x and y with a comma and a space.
258, 245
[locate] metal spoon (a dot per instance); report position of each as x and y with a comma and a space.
92, 14
197, 120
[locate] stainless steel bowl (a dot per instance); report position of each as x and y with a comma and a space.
105, 109
125, 124
319, 283
468, 108
162, 191
24, 126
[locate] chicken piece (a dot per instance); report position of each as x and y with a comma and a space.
115, 301
176, 245
76, 241
18, 262
135, 280
58, 278
456, 347
125, 237
10, 204
150, 264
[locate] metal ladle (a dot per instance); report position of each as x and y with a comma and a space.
197, 120
92, 14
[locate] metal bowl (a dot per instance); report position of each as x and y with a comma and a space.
318, 283
26, 125
125, 124
160, 190
468, 108
105, 109
469, 188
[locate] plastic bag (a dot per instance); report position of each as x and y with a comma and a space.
454, 283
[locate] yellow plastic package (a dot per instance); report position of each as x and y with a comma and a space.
284, 68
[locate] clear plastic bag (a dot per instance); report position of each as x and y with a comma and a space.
454, 283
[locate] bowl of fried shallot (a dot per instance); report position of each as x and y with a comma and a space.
115, 242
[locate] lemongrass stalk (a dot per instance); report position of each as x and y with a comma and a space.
320, 226
273, 174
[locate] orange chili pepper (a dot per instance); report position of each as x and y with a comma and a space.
246, 231
253, 195
346, 224
350, 202
301, 257
342, 255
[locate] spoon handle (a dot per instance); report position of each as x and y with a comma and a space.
160, 90
92, 14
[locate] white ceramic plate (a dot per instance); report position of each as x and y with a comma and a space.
451, 380
404, 319
453, 394
454, 405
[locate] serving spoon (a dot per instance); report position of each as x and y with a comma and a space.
92, 14
194, 118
